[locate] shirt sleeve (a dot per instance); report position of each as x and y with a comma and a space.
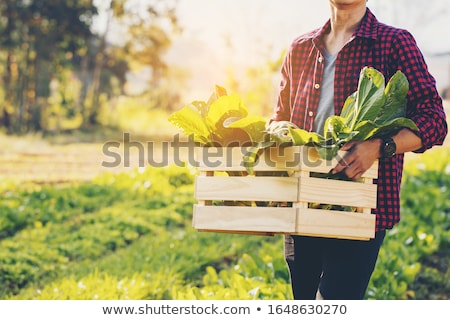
424, 102
282, 110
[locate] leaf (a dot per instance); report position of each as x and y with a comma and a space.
254, 126
218, 92
335, 126
345, 137
278, 131
251, 156
348, 112
391, 127
370, 95
191, 123
327, 152
201, 107
302, 137
224, 108
395, 93
398, 85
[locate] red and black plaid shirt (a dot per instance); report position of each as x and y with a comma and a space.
386, 49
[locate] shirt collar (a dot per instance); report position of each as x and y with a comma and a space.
366, 29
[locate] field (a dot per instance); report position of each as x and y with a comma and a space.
72, 228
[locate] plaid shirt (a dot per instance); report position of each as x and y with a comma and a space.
386, 49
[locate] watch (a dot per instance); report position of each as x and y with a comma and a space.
387, 148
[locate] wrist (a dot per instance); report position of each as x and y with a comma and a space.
378, 143
387, 148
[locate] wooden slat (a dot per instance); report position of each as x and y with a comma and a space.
345, 193
246, 188
312, 162
258, 219
219, 158
335, 224
299, 221
253, 233
272, 159
206, 174
231, 159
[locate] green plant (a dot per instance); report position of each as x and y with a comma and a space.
424, 228
222, 120
373, 110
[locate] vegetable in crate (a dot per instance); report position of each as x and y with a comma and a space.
223, 121
373, 110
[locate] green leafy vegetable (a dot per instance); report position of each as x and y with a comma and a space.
371, 111
222, 121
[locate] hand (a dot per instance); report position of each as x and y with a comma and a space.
359, 157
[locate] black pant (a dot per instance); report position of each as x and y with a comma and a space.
340, 268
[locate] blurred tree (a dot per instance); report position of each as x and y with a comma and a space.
149, 27
39, 37
40, 40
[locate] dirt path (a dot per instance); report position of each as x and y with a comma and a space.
34, 159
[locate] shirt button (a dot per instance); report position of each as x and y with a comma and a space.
316, 86
320, 59
310, 113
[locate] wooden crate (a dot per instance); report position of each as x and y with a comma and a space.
297, 186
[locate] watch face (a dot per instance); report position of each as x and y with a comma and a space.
389, 149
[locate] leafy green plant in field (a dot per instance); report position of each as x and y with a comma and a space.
64, 229
425, 225
21, 207
36, 253
183, 255
433, 281
103, 286
252, 277
84, 240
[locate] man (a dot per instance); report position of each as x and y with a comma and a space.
320, 71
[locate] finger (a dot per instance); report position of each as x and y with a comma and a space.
354, 172
338, 168
342, 165
357, 176
351, 170
344, 162
348, 146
